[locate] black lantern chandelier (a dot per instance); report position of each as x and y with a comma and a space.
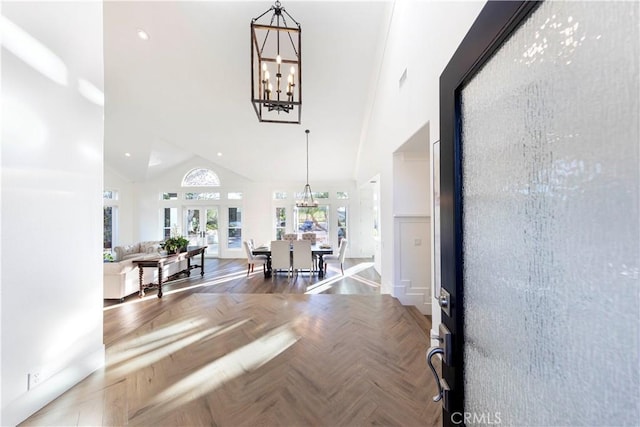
276, 67
307, 200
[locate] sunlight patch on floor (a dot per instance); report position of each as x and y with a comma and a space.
218, 281
365, 281
325, 284
142, 356
245, 359
176, 328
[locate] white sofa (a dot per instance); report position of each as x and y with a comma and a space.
137, 250
122, 278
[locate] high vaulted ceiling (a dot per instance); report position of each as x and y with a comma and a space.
186, 91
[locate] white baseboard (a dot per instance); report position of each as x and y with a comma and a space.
421, 300
31, 401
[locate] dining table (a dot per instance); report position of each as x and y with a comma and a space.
318, 250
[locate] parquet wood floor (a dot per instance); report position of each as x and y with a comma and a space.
237, 351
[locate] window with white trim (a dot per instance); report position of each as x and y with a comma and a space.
170, 221
201, 177
342, 223
203, 195
281, 222
234, 230
313, 220
110, 219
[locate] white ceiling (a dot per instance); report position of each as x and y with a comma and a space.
186, 91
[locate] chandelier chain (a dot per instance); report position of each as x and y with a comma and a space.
307, 131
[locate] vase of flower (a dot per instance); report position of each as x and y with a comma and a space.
174, 245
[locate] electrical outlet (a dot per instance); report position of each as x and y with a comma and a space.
33, 379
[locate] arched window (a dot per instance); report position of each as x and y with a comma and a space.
200, 177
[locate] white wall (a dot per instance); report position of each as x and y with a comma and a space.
51, 276
411, 176
422, 38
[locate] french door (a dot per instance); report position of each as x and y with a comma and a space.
540, 234
201, 225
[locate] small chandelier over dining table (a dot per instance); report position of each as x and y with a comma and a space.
275, 51
307, 200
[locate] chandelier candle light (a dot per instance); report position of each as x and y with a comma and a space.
307, 200
276, 49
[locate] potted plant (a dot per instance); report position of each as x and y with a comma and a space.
175, 244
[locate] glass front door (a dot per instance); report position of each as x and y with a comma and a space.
540, 217
201, 226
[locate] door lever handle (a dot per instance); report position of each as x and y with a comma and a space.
443, 387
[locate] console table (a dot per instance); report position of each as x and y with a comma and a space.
161, 261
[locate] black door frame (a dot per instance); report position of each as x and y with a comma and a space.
495, 23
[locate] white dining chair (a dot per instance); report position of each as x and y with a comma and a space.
311, 237
280, 256
302, 257
339, 258
252, 259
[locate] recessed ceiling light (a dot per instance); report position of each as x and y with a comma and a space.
219, 154
127, 154
143, 35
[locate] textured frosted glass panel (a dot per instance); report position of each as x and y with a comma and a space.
550, 146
